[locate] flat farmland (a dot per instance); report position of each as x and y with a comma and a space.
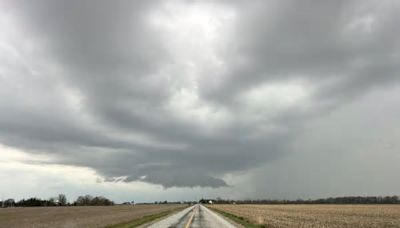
317, 215
86, 216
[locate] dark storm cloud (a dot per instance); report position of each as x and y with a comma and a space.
316, 41
121, 69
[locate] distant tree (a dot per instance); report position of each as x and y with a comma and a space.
9, 203
62, 200
52, 201
101, 201
89, 200
34, 202
84, 200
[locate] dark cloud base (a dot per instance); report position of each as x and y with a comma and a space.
99, 91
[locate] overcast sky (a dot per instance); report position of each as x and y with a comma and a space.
153, 100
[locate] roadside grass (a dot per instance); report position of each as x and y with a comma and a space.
242, 221
143, 220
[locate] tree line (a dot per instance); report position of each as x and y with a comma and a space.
60, 200
330, 200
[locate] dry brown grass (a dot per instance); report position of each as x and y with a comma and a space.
317, 215
70, 217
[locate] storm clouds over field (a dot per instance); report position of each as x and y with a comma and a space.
256, 98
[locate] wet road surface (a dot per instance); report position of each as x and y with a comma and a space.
196, 216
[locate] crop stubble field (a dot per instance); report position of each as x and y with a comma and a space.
86, 216
317, 215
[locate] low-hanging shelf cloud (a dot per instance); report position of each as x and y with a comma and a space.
191, 93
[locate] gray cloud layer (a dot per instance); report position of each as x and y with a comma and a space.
128, 89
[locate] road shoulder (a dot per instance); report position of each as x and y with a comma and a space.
235, 220
146, 220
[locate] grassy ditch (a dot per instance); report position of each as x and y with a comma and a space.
143, 220
240, 220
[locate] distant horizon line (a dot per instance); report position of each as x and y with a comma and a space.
349, 199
